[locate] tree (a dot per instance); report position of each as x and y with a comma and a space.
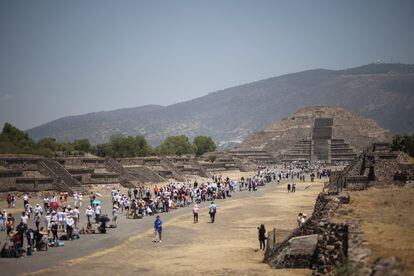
49, 143
403, 143
176, 145
82, 145
203, 144
120, 146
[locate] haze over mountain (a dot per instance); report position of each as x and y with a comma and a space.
383, 92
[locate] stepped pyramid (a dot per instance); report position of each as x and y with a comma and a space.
325, 133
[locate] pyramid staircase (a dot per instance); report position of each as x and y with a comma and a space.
125, 178
65, 181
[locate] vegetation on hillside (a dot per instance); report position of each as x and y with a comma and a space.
15, 141
403, 143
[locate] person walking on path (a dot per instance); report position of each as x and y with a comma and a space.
288, 187
262, 236
158, 229
195, 213
212, 211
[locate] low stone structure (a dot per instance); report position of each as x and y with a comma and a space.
340, 242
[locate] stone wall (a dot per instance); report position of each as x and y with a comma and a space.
331, 245
27, 184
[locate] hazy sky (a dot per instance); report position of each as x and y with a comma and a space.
60, 58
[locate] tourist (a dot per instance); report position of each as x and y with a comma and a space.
212, 211
114, 215
158, 229
48, 218
54, 229
9, 224
303, 219
25, 199
195, 213
24, 218
293, 187
98, 210
3, 219
299, 219
37, 219
70, 222
75, 215
76, 199
9, 200
61, 219
89, 214
46, 202
262, 236
80, 199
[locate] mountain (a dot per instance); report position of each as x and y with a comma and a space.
383, 92
280, 136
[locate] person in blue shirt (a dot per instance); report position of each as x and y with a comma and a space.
212, 211
158, 228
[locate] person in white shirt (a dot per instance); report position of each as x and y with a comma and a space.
195, 213
46, 202
75, 215
80, 199
70, 222
89, 213
98, 210
76, 199
25, 199
24, 218
38, 209
48, 219
61, 218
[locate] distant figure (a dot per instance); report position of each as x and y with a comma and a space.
262, 236
288, 187
212, 211
293, 187
195, 213
299, 219
158, 229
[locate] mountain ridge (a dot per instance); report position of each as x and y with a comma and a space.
382, 92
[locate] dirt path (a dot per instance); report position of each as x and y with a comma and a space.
227, 247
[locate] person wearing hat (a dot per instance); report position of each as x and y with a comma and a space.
114, 214
212, 211
303, 219
89, 213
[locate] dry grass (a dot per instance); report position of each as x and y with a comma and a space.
387, 221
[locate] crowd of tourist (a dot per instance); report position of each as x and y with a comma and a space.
55, 220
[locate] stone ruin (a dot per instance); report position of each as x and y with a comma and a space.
322, 244
321, 146
74, 174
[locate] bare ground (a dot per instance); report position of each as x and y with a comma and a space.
227, 247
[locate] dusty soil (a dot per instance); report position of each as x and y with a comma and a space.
387, 221
227, 247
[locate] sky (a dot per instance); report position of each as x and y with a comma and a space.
60, 58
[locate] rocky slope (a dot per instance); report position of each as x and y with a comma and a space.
279, 136
383, 92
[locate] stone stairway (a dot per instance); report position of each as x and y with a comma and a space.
201, 170
64, 180
145, 174
171, 167
125, 178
